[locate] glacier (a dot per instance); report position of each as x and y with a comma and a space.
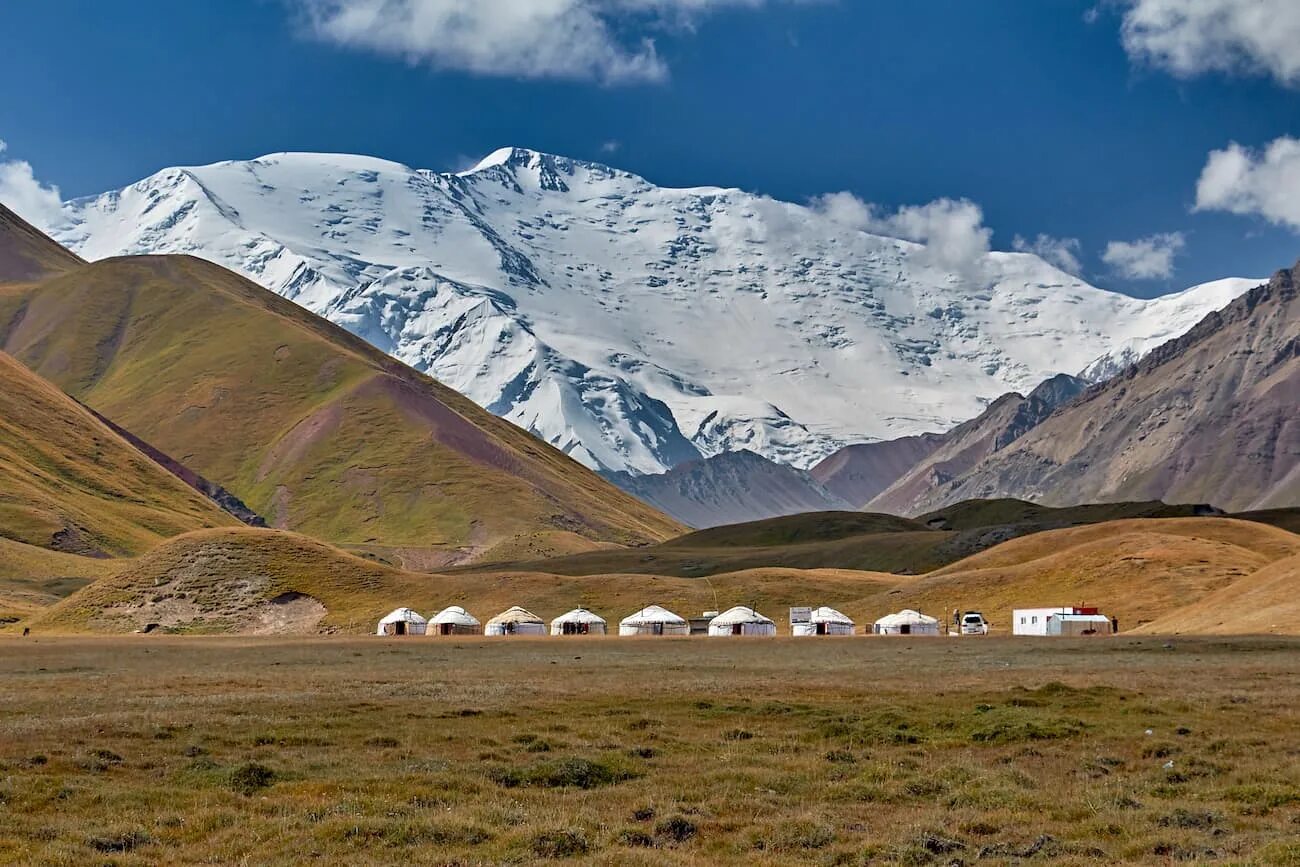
634, 326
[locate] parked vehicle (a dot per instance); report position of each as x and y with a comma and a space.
973, 623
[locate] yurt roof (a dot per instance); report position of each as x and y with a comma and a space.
739, 614
906, 617
455, 615
403, 615
826, 614
516, 615
651, 614
578, 615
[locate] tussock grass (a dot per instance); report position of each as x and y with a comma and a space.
180, 750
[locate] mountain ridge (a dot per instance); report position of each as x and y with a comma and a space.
632, 326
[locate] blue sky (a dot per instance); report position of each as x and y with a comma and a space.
1038, 111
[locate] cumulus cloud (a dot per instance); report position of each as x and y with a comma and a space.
1264, 183
952, 230
1150, 258
1190, 37
38, 204
1061, 252
602, 40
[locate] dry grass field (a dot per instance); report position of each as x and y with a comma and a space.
159, 749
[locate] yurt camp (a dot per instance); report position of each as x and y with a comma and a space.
455, 621
516, 621
907, 622
823, 621
403, 621
579, 621
653, 620
741, 621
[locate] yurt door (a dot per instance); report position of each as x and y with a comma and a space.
657, 629
905, 629
737, 629
399, 628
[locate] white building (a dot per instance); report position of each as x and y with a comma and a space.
653, 620
402, 621
741, 621
820, 621
907, 622
1059, 621
455, 621
516, 621
579, 621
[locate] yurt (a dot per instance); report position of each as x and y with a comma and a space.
824, 621
907, 622
579, 621
653, 620
455, 621
403, 621
741, 621
516, 621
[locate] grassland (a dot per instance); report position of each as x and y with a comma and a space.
314, 429
1142, 571
606, 751
69, 482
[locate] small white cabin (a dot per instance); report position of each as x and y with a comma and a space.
579, 621
821, 621
516, 621
906, 622
1059, 621
402, 621
455, 621
653, 620
741, 621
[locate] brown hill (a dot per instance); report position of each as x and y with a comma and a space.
1136, 570
69, 482
1266, 602
314, 429
1210, 418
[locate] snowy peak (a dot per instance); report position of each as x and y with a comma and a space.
632, 325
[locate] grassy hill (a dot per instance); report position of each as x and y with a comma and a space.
1265, 602
1136, 570
26, 254
859, 541
313, 428
33, 579
68, 482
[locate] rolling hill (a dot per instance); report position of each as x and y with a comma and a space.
316, 430
69, 482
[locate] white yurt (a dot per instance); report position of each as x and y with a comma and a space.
741, 621
516, 621
907, 622
653, 620
824, 621
403, 621
455, 621
579, 621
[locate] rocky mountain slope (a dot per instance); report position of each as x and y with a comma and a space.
1006, 420
857, 473
1209, 417
730, 488
314, 429
632, 326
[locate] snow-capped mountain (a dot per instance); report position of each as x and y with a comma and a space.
631, 325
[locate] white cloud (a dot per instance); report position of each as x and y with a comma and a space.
1149, 258
1265, 183
1061, 252
1190, 37
27, 197
612, 146
952, 230
603, 40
